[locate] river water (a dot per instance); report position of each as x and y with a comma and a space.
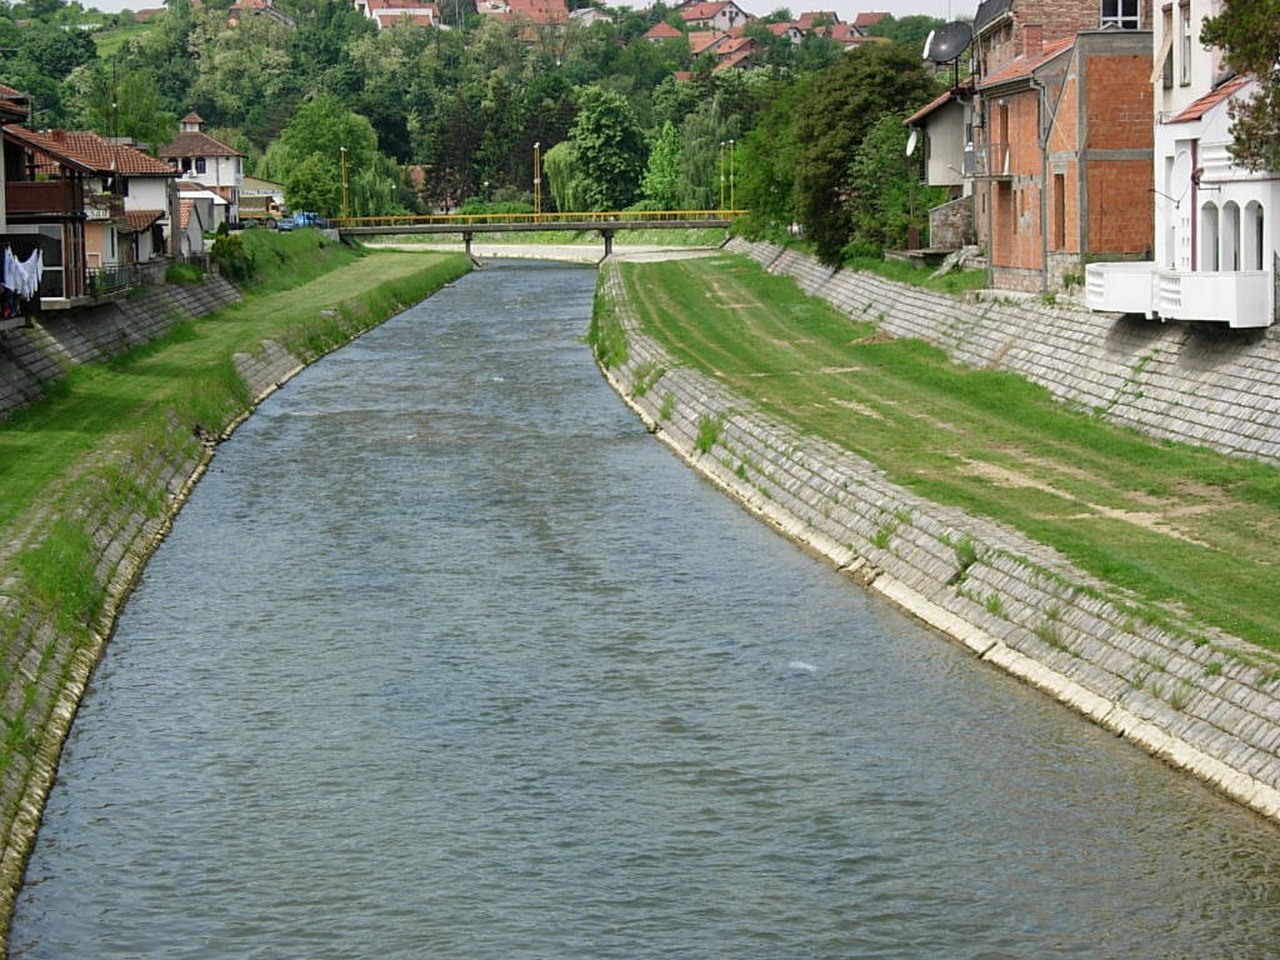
447, 657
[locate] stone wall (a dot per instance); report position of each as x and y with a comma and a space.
56, 341
1015, 603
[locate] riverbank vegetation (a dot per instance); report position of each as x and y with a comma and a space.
102, 452
1179, 526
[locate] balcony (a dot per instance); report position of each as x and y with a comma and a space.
986, 160
1241, 298
43, 198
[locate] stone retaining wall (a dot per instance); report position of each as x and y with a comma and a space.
33, 356
1197, 383
1200, 700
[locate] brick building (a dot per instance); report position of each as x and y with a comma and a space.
1059, 143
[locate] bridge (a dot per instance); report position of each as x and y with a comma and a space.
607, 224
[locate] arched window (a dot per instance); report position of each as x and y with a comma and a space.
1251, 236
1230, 238
1209, 253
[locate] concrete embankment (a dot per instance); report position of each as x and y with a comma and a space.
1202, 701
124, 507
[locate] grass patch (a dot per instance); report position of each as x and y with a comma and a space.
1170, 522
955, 282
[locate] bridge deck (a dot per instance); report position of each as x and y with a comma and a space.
537, 222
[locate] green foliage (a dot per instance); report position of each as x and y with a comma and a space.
233, 260
910, 30
663, 185
885, 196
183, 273
709, 428
1247, 32
115, 103
608, 150
797, 159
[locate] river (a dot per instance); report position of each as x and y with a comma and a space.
447, 657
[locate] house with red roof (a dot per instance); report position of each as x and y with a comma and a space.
1216, 246
127, 198
813, 19
661, 31
707, 41
542, 13
389, 13
863, 22
198, 157
724, 15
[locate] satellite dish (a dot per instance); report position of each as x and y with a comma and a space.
948, 42
911, 142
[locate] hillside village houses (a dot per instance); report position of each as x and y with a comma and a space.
1091, 145
102, 213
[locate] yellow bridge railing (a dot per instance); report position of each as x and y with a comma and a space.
472, 221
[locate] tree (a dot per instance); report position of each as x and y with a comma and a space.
663, 185
911, 30
840, 106
1246, 31
56, 52
886, 197
308, 156
119, 104
609, 149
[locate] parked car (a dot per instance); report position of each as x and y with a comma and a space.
308, 218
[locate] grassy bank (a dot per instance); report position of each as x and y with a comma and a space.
91, 468
1176, 525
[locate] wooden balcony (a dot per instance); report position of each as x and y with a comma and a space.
53, 199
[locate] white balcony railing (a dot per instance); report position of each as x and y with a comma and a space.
1238, 298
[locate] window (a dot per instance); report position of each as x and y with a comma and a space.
1184, 44
1164, 59
1059, 211
1121, 13
200, 165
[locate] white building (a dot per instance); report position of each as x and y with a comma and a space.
1216, 244
207, 161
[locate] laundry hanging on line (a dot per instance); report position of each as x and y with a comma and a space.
21, 281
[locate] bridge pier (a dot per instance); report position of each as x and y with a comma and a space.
608, 243
466, 240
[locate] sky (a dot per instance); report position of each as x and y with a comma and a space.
845, 9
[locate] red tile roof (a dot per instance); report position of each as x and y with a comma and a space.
662, 31
193, 143
1022, 66
1211, 99
929, 107
864, 20
135, 221
702, 11
95, 153
700, 41
806, 20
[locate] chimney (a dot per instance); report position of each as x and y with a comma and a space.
1032, 40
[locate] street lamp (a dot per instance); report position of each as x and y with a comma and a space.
346, 184
721, 174
733, 203
537, 178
